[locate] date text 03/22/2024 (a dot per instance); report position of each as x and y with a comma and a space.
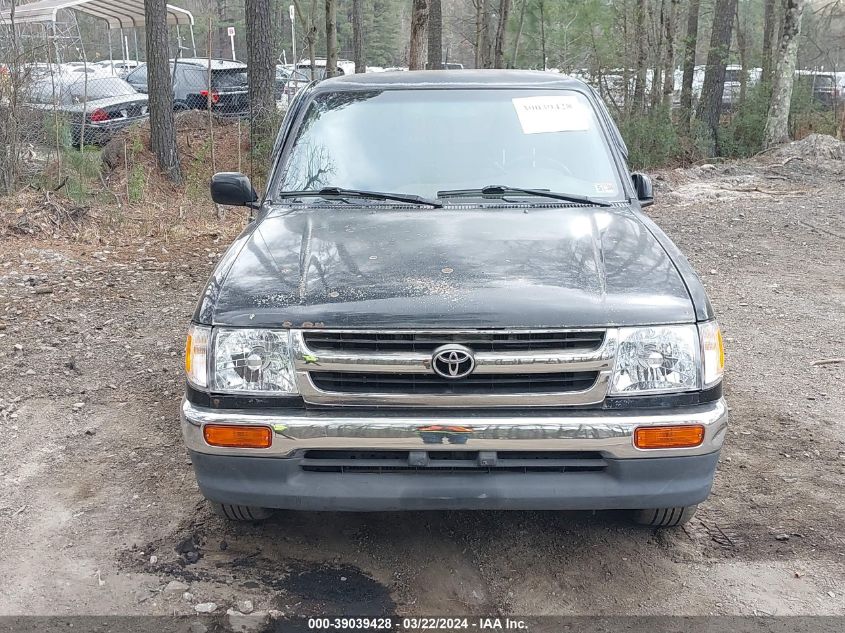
417, 624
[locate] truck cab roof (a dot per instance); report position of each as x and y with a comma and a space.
481, 79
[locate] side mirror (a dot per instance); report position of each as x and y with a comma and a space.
232, 188
644, 188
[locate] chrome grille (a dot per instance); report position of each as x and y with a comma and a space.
384, 383
513, 368
427, 342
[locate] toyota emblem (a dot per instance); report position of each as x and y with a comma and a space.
452, 361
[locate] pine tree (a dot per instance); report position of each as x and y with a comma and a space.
162, 129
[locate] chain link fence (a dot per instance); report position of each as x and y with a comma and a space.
74, 111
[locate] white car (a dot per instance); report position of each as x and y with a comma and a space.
120, 67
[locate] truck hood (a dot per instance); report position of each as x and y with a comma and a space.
353, 267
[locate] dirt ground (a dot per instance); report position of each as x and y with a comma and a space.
100, 512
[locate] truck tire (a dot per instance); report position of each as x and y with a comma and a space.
665, 517
240, 513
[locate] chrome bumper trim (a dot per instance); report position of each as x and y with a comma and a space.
600, 360
610, 432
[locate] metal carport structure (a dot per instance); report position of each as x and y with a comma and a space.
118, 14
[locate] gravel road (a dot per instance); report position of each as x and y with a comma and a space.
100, 513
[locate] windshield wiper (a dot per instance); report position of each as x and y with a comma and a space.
339, 192
499, 191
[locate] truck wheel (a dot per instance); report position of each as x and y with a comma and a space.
240, 513
665, 517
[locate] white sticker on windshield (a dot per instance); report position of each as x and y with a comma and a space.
538, 115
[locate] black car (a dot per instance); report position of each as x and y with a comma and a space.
104, 104
450, 298
227, 89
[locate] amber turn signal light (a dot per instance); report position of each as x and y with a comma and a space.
189, 346
686, 436
237, 436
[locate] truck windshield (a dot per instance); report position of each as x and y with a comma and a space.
424, 141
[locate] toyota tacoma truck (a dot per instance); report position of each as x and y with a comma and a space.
449, 297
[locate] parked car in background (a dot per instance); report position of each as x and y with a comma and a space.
295, 78
697, 83
344, 67
427, 315
102, 104
733, 84
119, 67
228, 91
450, 66
289, 81
822, 86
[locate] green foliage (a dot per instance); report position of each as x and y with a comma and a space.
135, 185
742, 136
262, 139
652, 140
384, 46
135, 173
579, 34
57, 131
82, 170
806, 115
198, 172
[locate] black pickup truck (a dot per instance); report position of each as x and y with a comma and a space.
450, 298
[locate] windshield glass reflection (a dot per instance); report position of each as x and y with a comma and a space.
423, 141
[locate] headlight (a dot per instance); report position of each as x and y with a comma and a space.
712, 352
656, 360
196, 355
252, 361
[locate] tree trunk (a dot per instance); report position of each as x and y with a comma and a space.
642, 58
435, 35
482, 34
690, 43
479, 21
358, 55
777, 122
710, 104
518, 33
543, 31
224, 47
309, 28
742, 45
311, 41
262, 66
10, 89
331, 38
419, 24
669, 58
501, 33
160, 90
768, 33
657, 66
626, 68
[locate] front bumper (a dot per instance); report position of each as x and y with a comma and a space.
278, 477
624, 484
610, 432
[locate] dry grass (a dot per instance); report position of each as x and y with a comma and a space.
119, 193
